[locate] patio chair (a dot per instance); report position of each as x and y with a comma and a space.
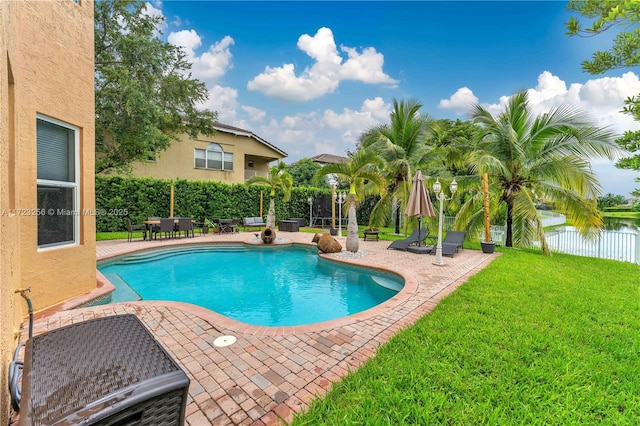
154, 229
452, 243
455, 238
167, 226
185, 224
226, 226
135, 228
199, 224
418, 235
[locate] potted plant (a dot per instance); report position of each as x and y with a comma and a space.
488, 246
206, 225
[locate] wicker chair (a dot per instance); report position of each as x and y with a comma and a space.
134, 228
185, 224
167, 226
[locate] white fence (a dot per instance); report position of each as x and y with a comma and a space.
615, 245
622, 246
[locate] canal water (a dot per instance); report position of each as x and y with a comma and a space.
618, 224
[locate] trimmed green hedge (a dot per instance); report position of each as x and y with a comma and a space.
619, 209
140, 198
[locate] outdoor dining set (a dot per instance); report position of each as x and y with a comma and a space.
170, 227
175, 227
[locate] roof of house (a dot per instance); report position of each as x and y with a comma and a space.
329, 159
242, 132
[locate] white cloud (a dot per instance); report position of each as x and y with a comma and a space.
601, 98
459, 102
255, 114
211, 65
188, 39
155, 10
215, 62
320, 47
308, 134
365, 67
325, 74
224, 100
177, 21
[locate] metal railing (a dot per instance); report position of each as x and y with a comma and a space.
251, 173
614, 245
622, 246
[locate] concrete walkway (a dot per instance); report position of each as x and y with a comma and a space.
273, 372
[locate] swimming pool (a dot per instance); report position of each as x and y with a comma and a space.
264, 286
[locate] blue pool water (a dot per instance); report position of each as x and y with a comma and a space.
267, 286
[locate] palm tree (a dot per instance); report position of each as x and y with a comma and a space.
278, 178
531, 158
360, 171
403, 145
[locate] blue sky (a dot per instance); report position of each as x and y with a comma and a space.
310, 77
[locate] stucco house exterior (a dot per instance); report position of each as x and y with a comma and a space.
231, 155
47, 145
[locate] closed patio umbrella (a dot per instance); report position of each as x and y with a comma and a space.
419, 203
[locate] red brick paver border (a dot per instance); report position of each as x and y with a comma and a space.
273, 372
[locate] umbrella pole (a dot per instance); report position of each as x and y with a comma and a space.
419, 229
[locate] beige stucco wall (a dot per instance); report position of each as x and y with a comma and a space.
9, 275
46, 67
178, 161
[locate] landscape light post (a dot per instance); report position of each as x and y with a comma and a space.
340, 199
310, 201
437, 189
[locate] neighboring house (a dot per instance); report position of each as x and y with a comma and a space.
47, 229
231, 155
323, 159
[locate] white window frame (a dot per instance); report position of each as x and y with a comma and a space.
74, 185
223, 160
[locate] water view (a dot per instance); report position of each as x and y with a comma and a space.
620, 240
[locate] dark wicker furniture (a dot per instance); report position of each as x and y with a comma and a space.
104, 371
289, 225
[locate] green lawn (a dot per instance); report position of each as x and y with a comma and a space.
622, 215
530, 340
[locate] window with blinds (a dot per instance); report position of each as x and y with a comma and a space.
57, 181
213, 158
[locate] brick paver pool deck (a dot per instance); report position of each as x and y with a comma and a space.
273, 372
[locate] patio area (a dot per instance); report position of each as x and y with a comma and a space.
273, 372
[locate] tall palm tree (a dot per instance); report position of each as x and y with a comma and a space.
361, 173
278, 178
537, 157
403, 145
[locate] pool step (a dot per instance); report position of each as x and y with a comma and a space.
387, 283
122, 293
176, 251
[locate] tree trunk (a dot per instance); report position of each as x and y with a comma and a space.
485, 205
508, 241
271, 216
398, 217
352, 243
